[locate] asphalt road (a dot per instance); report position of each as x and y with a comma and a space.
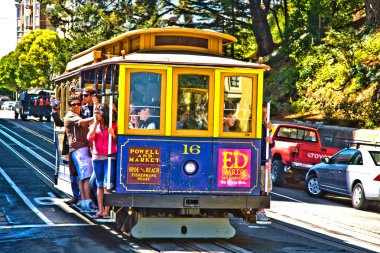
34, 217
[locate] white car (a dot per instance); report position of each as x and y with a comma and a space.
353, 172
8, 105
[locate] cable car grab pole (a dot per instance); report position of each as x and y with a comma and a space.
112, 89
267, 150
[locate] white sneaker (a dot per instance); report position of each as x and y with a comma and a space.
262, 218
89, 208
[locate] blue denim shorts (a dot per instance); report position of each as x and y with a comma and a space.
101, 172
83, 162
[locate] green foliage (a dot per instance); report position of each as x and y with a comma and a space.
246, 47
93, 21
8, 71
340, 78
280, 87
38, 57
310, 19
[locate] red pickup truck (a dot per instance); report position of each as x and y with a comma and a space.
295, 149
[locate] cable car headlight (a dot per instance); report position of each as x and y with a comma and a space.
190, 167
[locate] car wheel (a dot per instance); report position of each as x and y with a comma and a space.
277, 173
358, 198
23, 117
48, 118
312, 186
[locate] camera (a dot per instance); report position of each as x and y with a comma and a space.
55, 102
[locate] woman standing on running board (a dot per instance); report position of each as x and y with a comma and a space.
98, 134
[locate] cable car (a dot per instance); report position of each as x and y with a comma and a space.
189, 129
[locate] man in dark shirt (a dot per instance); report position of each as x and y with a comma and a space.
87, 109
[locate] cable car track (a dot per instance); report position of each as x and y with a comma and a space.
26, 129
15, 145
323, 239
30, 152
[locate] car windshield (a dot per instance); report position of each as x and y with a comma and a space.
343, 157
375, 156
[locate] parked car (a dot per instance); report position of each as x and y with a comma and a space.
3, 99
8, 105
295, 150
352, 172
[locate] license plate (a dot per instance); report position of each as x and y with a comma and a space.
26, 112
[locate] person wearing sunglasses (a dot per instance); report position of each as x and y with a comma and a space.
65, 151
76, 130
87, 109
88, 96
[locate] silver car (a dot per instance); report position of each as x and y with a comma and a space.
353, 172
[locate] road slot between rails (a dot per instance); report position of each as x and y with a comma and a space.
28, 149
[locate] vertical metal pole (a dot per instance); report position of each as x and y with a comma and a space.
96, 76
112, 84
104, 84
267, 150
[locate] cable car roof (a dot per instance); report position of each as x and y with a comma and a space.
171, 58
147, 39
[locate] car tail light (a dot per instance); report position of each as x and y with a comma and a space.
377, 178
295, 152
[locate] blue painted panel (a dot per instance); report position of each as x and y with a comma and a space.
142, 164
155, 164
199, 151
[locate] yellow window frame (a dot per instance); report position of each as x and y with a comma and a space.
210, 118
125, 77
257, 93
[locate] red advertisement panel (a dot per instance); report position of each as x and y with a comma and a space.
234, 168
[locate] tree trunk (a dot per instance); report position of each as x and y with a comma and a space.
260, 27
372, 9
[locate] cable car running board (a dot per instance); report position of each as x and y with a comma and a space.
153, 227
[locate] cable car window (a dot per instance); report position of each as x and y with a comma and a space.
145, 100
193, 101
237, 111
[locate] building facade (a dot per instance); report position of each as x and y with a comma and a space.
30, 17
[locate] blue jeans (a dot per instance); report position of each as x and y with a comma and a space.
93, 184
101, 172
74, 186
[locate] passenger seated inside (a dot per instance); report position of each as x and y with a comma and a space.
229, 121
134, 122
148, 117
183, 117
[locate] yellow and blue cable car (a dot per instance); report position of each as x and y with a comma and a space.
189, 128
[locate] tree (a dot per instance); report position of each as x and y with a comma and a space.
311, 19
89, 22
234, 17
7, 71
372, 12
39, 56
259, 10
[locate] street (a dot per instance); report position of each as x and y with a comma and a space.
34, 217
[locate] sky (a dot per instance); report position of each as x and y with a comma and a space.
8, 26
